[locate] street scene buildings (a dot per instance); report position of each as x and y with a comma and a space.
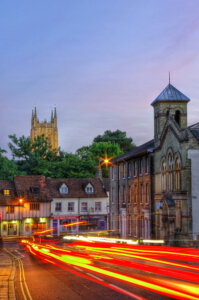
153, 188
35, 203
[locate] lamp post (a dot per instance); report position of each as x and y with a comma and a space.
20, 203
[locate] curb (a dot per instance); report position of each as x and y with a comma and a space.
9, 283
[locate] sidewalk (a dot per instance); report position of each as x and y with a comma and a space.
7, 272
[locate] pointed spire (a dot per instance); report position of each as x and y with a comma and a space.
55, 113
169, 78
51, 115
35, 112
32, 114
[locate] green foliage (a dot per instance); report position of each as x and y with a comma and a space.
116, 137
38, 157
7, 167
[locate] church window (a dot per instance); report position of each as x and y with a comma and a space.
124, 170
177, 117
164, 174
63, 189
170, 173
135, 168
177, 174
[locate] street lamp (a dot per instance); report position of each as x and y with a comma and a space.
20, 203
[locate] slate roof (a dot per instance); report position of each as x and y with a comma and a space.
170, 93
76, 187
7, 185
32, 188
195, 130
142, 149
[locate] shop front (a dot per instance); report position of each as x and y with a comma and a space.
63, 224
10, 228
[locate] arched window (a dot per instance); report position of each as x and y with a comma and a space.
164, 174
177, 174
177, 117
170, 172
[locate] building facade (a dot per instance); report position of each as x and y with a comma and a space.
130, 193
78, 200
48, 129
31, 204
170, 181
24, 205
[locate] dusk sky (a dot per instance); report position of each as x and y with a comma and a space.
101, 63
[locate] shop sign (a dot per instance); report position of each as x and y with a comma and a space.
63, 217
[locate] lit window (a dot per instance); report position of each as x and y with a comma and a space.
97, 206
6, 192
71, 206
10, 209
84, 206
58, 206
63, 189
89, 189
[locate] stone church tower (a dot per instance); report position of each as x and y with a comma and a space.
48, 129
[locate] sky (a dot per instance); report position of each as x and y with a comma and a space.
101, 63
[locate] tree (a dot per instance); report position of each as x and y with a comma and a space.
116, 137
7, 168
34, 157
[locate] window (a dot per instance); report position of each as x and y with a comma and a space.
147, 228
6, 192
112, 173
178, 174
71, 206
135, 193
170, 159
147, 193
4, 227
58, 206
135, 168
97, 206
142, 226
10, 209
89, 189
177, 117
27, 226
128, 170
84, 206
63, 189
141, 193
34, 206
141, 166
164, 176
123, 170
147, 165
129, 225
34, 190
124, 195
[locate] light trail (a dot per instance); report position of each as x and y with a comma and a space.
75, 223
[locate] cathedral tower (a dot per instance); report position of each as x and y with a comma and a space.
48, 129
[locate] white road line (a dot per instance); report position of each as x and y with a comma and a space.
94, 276
78, 269
127, 292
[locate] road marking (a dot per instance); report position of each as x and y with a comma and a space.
95, 276
126, 292
21, 276
78, 269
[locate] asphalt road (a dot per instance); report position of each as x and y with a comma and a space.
37, 279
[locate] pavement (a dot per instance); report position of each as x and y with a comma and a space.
7, 276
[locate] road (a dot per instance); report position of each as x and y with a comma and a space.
83, 271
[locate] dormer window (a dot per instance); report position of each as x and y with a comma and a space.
6, 192
63, 189
89, 189
34, 190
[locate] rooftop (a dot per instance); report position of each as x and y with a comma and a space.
170, 93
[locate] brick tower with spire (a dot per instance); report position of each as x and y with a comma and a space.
48, 129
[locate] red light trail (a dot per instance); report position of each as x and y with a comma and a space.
186, 275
